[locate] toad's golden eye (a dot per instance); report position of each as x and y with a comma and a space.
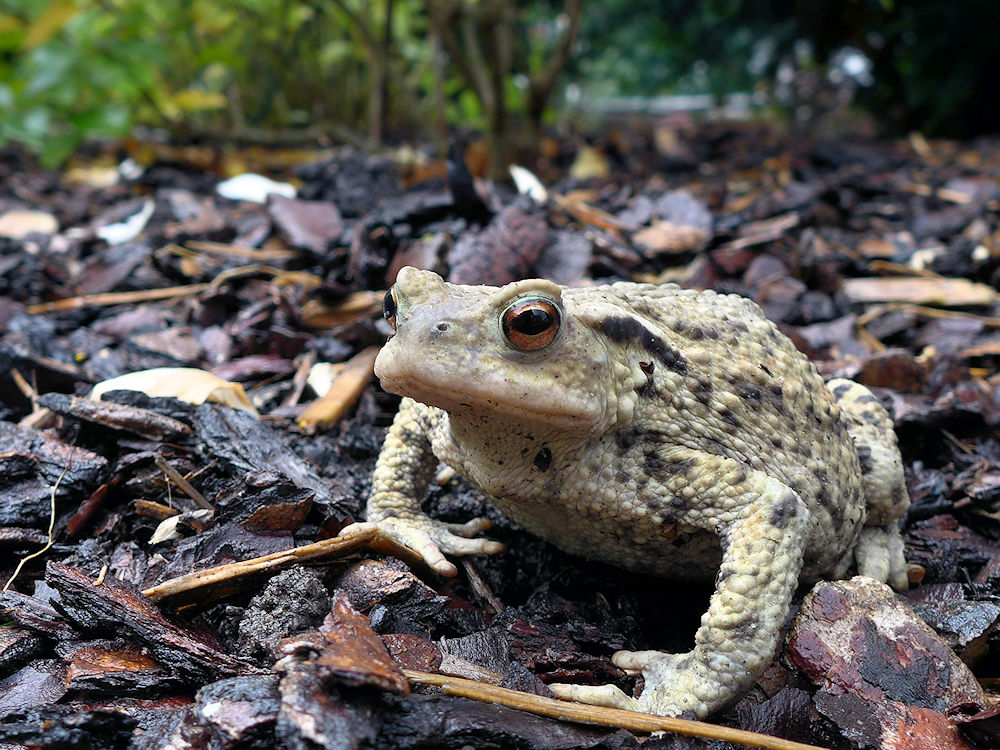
389, 308
531, 323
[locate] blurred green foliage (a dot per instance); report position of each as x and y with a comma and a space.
71, 69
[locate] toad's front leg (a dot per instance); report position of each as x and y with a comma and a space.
404, 468
762, 524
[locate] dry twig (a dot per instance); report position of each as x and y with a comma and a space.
632, 721
233, 575
175, 476
52, 524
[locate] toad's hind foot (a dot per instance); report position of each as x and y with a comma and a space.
608, 696
676, 685
879, 555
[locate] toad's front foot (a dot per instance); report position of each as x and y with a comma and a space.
430, 538
673, 686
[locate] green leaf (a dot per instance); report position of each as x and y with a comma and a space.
51, 22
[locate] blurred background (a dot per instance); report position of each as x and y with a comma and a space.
383, 72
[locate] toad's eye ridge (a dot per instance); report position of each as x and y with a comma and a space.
531, 323
389, 308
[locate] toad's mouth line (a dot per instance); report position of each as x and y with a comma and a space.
575, 416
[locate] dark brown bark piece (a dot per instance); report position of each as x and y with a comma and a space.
315, 715
346, 649
16, 647
447, 722
251, 444
116, 670
265, 501
882, 671
118, 608
142, 422
413, 652
35, 615
26, 501
240, 709
39, 683
502, 252
306, 224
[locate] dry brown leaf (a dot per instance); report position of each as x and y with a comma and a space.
317, 314
185, 383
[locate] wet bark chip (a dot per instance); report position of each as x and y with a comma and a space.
882, 672
114, 608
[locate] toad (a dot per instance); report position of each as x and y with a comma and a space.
662, 430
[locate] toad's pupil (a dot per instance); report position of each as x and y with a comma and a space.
532, 322
388, 306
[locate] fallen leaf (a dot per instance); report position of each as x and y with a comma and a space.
253, 188
18, 224
128, 230
528, 184
590, 163
185, 383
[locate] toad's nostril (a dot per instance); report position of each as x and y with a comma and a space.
443, 326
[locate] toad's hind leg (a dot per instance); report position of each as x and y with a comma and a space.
762, 525
879, 551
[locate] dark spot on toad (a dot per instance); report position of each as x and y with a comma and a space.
625, 439
747, 629
729, 418
841, 389
622, 329
621, 477
871, 418
764, 368
543, 459
647, 389
785, 511
836, 510
678, 503
777, 442
865, 457
748, 391
823, 495
704, 390
866, 399
656, 465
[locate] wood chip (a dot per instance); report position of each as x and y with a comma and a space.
920, 291
316, 314
345, 390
